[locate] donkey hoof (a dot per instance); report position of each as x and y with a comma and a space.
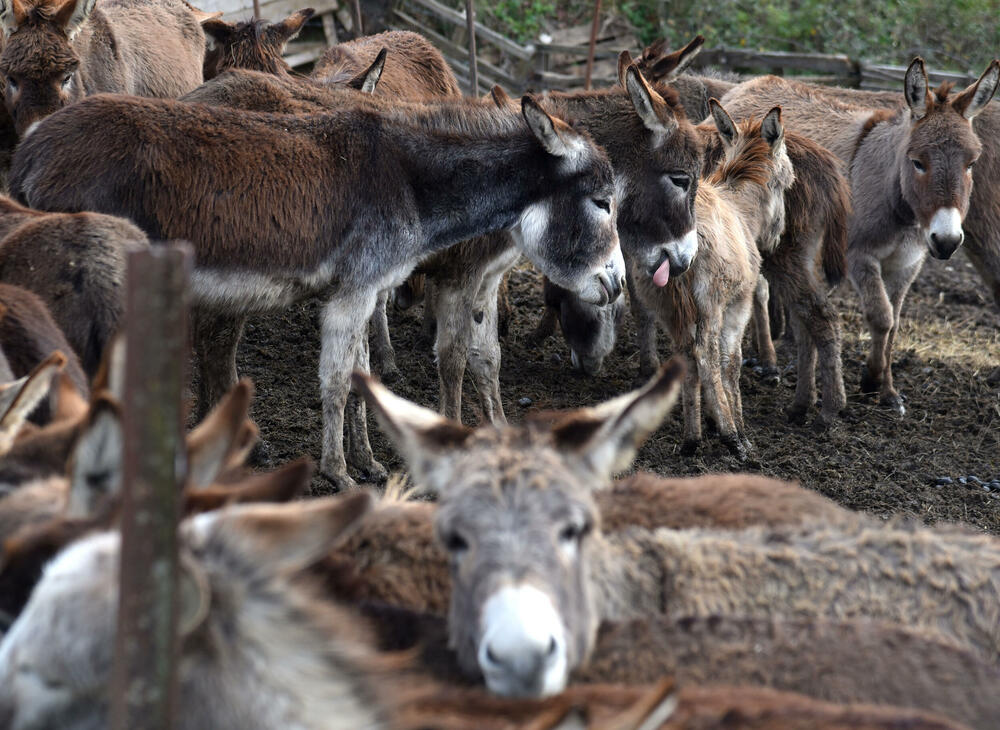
796, 415
373, 473
689, 447
768, 374
338, 483
736, 447
894, 402
869, 383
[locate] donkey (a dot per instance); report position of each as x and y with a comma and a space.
705, 299
525, 618
75, 262
253, 44
817, 209
911, 180
28, 335
55, 53
319, 222
55, 673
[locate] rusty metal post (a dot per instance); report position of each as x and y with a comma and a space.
356, 18
593, 44
143, 679
470, 24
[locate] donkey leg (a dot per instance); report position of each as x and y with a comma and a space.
546, 326
734, 324
866, 275
453, 312
691, 402
824, 327
768, 358
343, 326
429, 322
645, 327
383, 357
359, 449
805, 386
898, 284
484, 354
215, 337
708, 357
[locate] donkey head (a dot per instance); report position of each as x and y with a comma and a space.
659, 64
589, 330
255, 45
940, 150
519, 523
38, 61
661, 169
570, 234
237, 608
755, 153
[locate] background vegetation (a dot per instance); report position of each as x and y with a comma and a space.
962, 35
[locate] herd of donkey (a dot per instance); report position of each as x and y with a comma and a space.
577, 600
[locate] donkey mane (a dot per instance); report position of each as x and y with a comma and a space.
751, 163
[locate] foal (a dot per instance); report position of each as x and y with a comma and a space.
705, 302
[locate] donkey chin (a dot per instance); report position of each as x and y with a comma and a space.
601, 286
522, 648
944, 233
672, 259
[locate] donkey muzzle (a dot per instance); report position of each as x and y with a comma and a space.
945, 234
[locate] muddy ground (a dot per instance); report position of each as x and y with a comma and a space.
873, 460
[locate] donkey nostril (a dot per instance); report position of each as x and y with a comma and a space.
552, 646
491, 656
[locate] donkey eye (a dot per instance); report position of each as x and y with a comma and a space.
971, 165
99, 481
11, 84
66, 81
681, 181
455, 543
919, 166
572, 533
602, 203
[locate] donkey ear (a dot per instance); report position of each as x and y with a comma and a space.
286, 537
608, 436
915, 88
975, 98
19, 398
217, 32
200, 15
624, 61
72, 15
500, 97
723, 122
290, 27
555, 135
422, 437
367, 80
111, 372
656, 116
65, 401
223, 438
673, 65
95, 464
195, 595
11, 15
771, 129
281, 485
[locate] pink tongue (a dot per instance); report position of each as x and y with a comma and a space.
662, 275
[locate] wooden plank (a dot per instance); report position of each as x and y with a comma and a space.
303, 53
742, 58
144, 675
555, 48
486, 34
234, 10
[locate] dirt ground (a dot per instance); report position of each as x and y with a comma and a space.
873, 460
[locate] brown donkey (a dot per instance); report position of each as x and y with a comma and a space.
253, 44
705, 303
312, 215
55, 53
911, 179
75, 262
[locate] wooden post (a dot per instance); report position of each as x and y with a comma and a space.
256, 9
593, 44
356, 18
470, 24
143, 679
